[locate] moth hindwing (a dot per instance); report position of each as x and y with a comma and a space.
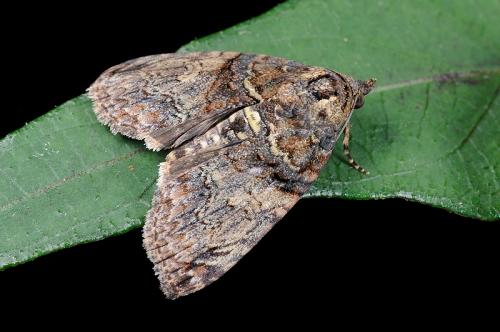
248, 135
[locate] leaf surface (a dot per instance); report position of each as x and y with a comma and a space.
428, 133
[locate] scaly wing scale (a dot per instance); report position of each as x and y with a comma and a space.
159, 98
249, 133
215, 200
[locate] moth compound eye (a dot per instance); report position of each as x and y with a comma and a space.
360, 102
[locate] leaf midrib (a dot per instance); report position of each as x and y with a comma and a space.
76, 175
452, 76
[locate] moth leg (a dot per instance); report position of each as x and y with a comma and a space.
347, 152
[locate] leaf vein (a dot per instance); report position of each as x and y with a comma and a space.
76, 175
441, 78
478, 121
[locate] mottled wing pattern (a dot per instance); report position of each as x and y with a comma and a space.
217, 196
161, 97
250, 134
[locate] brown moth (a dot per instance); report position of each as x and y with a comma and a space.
248, 135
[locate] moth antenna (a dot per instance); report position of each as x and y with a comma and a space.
347, 152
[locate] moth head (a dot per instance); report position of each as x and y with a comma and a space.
335, 96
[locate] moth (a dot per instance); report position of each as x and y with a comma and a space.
247, 135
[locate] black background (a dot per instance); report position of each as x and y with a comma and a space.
347, 259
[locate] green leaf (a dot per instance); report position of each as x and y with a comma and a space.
428, 133
66, 180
